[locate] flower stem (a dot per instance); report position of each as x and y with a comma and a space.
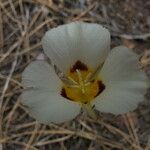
90, 111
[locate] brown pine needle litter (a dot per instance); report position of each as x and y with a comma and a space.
22, 25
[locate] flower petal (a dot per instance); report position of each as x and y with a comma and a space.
121, 65
121, 98
40, 75
47, 107
44, 99
66, 44
125, 83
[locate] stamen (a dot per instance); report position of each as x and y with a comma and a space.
79, 75
86, 84
87, 77
83, 89
72, 80
75, 86
82, 86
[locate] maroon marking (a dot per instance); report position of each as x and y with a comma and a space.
101, 87
63, 94
79, 65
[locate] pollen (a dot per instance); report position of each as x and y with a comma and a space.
82, 90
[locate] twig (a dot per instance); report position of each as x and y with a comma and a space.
5, 89
1, 30
33, 136
133, 37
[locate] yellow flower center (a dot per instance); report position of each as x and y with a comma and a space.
82, 90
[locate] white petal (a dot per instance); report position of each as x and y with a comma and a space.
69, 43
41, 75
121, 65
44, 99
125, 83
121, 98
47, 107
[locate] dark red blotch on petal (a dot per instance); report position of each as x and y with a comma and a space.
79, 65
101, 87
63, 94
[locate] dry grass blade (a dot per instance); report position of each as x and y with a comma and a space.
61, 139
1, 30
12, 8
40, 26
147, 147
29, 49
22, 144
33, 136
84, 12
11, 80
132, 131
11, 49
3, 94
7, 82
10, 115
8, 14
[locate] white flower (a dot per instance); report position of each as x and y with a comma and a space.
110, 80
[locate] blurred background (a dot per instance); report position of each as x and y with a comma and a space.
22, 25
